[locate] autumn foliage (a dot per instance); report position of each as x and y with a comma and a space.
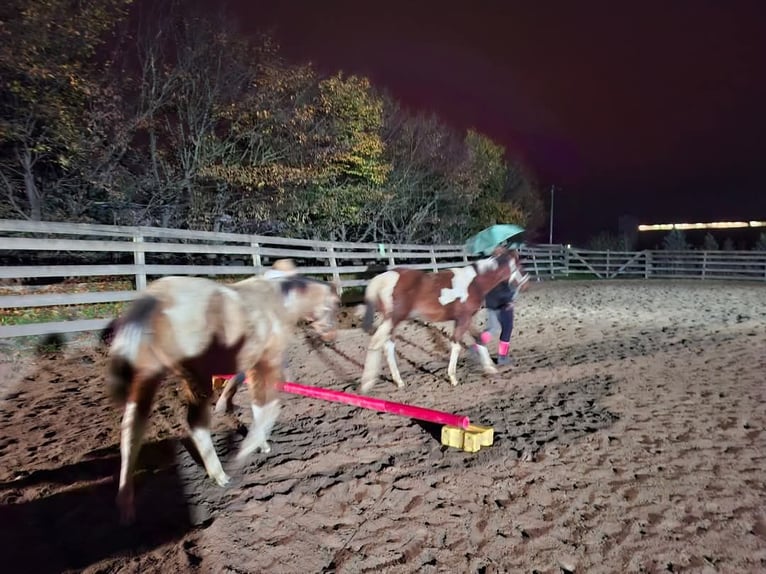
161, 117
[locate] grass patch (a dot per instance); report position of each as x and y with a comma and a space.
25, 315
51, 313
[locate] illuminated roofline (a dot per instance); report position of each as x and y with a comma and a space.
711, 225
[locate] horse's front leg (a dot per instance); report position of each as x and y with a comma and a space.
137, 409
198, 417
380, 339
452, 368
484, 357
462, 324
263, 382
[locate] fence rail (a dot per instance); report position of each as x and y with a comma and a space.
36, 252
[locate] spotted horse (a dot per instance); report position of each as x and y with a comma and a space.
195, 327
451, 294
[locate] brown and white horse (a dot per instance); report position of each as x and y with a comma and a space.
451, 294
196, 327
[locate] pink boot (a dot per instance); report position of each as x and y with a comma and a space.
502, 353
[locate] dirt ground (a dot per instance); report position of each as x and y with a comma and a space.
629, 437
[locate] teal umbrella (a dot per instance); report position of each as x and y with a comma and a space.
487, 239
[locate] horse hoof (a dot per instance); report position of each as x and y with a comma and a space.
490, 370
222, 480
127, 517
366, 386
126, 508
250, 448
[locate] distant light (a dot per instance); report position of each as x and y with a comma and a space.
728, 224
712, 225
656, 227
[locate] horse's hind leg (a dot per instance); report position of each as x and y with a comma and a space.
137, 409
391, 360
263, 381
225, 402
198, 417
380, 339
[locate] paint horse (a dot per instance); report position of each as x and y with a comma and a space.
195, 327
451, 294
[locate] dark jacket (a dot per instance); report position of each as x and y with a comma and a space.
500, 296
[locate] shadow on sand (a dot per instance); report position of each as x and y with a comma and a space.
78, 527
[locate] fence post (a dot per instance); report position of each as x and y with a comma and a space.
647, 264
139, 260
433, 260
391, 261
566, 261
256, 250
335, 273
550, 263
704, 263
534, 264
607, 264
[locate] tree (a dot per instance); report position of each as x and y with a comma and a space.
49, 73
443, 185
675, 241
524, 192
346, 138
483, 180
198, 126
607, 241
709, 243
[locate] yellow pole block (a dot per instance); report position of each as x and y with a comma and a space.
470, 439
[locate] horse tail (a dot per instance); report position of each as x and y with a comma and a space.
125, 345
369, 316
372, 296
106, 335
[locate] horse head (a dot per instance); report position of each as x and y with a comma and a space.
508, 261
517, 276
314, 301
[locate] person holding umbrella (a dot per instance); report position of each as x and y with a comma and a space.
500, 300
500, 312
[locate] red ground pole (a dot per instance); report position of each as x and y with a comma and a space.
366, 402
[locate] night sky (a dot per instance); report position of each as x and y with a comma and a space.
654, 109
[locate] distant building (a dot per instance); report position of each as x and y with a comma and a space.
739, 235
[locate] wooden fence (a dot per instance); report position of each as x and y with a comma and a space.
739, 265
45, 252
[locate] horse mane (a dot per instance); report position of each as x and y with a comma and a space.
299, 282
488, 264
493, 262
